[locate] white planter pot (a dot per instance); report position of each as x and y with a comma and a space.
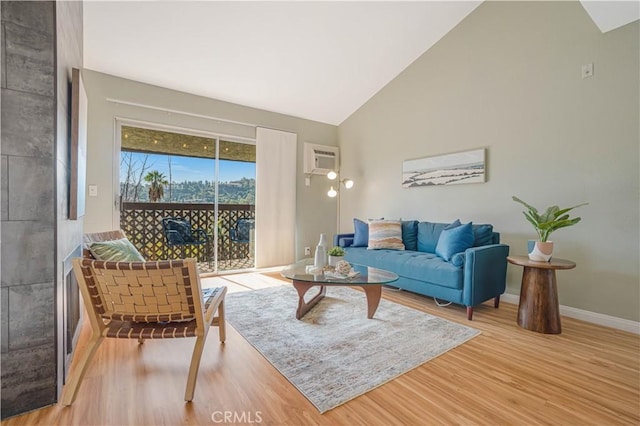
333, 260
539, 251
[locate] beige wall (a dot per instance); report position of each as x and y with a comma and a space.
315, 212
508, 79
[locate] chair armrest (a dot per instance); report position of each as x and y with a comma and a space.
485, 273
343, 240
212, 302
174, 237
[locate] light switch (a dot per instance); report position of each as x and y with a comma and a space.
587, 70
93, 190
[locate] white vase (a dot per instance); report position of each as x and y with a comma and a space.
320, 258
539, 251
333, 260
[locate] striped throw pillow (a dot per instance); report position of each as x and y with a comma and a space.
385, 234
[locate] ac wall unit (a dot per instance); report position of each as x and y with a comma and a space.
320, 159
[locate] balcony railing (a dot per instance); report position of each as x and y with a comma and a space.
142, 223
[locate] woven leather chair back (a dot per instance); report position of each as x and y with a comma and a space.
149, 292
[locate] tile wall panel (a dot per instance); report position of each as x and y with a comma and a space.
31, 187
28, 122
3, 71
4, 188
29, 60
38, 16
27, 253
4, 314
31, 327
28, 379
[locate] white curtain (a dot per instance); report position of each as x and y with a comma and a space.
275, 197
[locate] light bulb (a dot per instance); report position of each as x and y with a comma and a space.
332, 192
332, 175
348, 183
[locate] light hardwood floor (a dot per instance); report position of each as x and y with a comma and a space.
588, 375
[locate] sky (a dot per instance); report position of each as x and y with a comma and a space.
194, 169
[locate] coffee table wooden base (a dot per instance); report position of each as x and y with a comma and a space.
373, 293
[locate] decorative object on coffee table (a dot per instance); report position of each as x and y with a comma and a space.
539, 309
336, 254
545, 223
320, 256
343, 268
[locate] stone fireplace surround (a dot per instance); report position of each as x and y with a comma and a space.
41, 42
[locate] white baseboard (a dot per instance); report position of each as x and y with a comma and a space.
581, 314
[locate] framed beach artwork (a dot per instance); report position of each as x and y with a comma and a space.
448, 169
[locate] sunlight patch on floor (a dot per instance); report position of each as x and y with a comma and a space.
243, 282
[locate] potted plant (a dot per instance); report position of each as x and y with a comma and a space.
545, 223
336, 254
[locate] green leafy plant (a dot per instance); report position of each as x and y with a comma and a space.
551, 220
336, 251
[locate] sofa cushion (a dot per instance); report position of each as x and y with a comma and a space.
410, 264
483, 235
385, 234
453, 224
454, 240
360, 234
410, 234
428, 234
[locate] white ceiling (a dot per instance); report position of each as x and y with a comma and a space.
315, 60
609, 15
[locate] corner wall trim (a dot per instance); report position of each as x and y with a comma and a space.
588, 316
175, 111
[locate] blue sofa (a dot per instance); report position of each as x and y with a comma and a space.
468, 278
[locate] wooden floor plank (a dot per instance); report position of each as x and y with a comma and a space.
588, 375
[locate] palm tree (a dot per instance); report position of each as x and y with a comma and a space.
157, 181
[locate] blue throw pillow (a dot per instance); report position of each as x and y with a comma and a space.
410, 234
361, 233
455, 240
483, 235
453, 224
458, 259
429, 233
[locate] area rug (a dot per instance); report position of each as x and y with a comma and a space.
335, 353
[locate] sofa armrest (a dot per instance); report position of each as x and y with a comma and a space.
485, 273
343, 240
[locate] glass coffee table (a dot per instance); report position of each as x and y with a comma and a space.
368, 278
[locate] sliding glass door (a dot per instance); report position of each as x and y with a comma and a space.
184, 196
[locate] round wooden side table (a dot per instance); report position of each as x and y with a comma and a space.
539, 309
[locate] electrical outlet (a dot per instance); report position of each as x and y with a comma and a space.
307, 251
587, 70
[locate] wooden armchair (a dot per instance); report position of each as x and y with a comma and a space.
144, 300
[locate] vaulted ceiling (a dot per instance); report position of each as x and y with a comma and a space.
314, 60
